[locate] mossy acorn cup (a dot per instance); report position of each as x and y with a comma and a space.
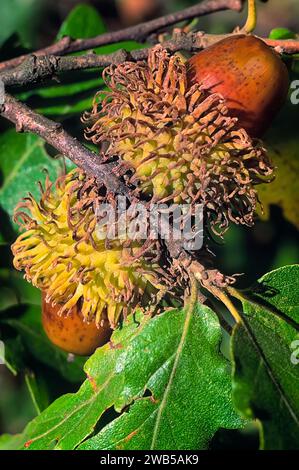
249, 75
70, 332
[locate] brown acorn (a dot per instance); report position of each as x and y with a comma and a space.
249, 75
70, 332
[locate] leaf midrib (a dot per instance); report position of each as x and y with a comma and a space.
180, 348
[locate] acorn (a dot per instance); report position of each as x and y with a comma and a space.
64, 253
177, 141
248, 74
71, 332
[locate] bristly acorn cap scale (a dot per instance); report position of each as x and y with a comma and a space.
63, 256
179, 142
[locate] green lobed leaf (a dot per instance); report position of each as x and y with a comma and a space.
167, 379
266, 380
